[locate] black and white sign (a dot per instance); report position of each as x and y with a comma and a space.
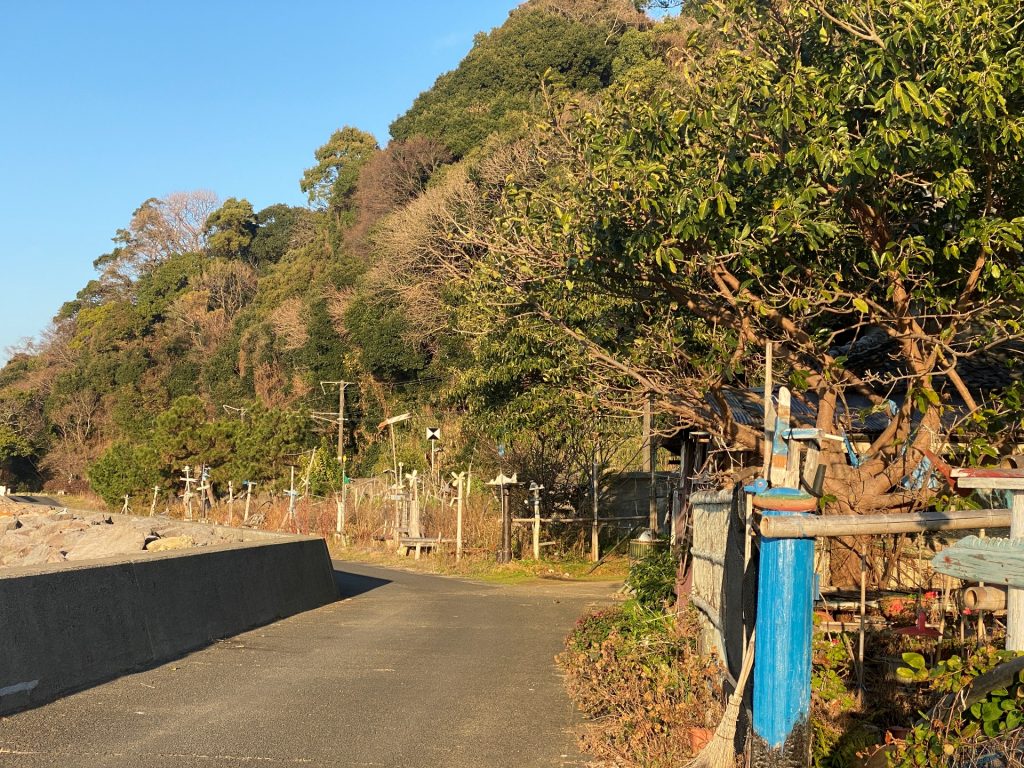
433, 433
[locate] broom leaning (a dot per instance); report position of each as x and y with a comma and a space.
720, 752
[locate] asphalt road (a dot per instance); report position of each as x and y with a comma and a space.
407, 670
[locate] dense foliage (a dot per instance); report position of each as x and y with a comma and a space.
592, 207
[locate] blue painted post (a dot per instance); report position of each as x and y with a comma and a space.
782, 661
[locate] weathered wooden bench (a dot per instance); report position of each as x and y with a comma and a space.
420, 544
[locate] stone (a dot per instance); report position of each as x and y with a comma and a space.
169, 543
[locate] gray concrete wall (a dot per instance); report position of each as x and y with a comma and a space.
70, 626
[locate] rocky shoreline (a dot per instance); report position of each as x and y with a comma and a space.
36, 534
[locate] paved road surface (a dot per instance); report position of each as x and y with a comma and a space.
409, 670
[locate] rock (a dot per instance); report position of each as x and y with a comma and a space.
33, 554
171, 542
105, 541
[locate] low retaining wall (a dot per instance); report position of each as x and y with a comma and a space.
68, 627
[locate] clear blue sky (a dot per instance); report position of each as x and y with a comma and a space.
106, 104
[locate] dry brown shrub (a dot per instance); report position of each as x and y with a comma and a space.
640, 677
289, 324
270, 385
1004, 751
338, 302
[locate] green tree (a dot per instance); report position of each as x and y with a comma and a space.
124, 469
501, 75
276, 224
331, 182
828, 176
231, 229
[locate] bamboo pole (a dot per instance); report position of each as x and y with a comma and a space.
809, 527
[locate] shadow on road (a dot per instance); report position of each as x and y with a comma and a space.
352, 584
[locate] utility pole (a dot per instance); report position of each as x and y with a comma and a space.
399, 494
339, 417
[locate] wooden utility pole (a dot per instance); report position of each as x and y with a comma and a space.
335, 418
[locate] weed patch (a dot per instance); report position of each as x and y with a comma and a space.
636, 672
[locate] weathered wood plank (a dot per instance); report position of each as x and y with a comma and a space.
989, 478
993, 561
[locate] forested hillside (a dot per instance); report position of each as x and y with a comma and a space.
592, 207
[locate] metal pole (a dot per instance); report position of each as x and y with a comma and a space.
291, 498
649, 458
595, 547
536, 520
231, 502
506, 526
458, 518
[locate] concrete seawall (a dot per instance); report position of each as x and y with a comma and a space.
66, 627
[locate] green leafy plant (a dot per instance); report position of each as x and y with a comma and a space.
653, 578
936, 741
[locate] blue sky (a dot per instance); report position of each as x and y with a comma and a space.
106, 104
